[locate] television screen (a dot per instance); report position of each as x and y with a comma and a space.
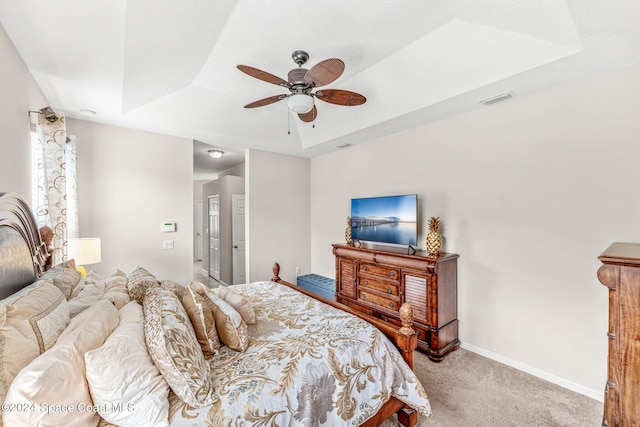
390, 219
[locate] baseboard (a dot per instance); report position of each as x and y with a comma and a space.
594, 394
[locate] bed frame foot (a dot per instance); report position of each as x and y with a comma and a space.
407, 417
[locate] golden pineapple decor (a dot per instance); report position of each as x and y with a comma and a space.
347, 232
434, 240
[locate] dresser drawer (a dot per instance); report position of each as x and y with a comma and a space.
385, 287
373, 298
358, 307
387, 272
421, 333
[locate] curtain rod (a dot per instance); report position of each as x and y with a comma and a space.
48, 113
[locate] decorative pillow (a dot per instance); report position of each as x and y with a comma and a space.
67, 279
176, 288
174, 348
231, 329
56, 378
202, 321
134, 381
140, 280
238, 302
31, 320
93, 291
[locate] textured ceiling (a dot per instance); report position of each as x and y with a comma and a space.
170, 67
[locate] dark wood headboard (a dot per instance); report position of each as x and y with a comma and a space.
23, 255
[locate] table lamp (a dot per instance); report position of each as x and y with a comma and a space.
84, 251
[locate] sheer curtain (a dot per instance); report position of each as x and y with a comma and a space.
54, 180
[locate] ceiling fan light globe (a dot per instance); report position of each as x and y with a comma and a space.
300, 103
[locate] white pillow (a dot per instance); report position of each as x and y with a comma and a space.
133, 380
53, 386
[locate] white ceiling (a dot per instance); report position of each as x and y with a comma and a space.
170, 67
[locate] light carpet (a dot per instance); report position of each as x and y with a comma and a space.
467, 389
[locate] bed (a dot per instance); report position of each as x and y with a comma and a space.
133, 349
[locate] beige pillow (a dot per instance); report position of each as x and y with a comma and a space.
174, 348
140, 279
56, 378
92, 291
202, 321
116, 289
134, 381
231, 329
237, 301
117, 282
67, 279
31, 320
117, 298
176, 288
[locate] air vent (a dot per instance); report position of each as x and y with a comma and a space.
497, 98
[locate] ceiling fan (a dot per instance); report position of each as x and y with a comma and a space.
301, 83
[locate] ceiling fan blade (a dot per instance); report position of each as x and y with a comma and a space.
310, 116
325, 72
340, 97
263, 75
265, 101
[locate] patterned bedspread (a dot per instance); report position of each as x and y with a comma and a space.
308, 364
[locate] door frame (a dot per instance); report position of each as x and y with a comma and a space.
238, 261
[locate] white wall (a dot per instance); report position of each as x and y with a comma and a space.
129, 183
531, 191
20, 93
277, 190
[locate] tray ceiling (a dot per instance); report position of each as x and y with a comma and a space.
170, 67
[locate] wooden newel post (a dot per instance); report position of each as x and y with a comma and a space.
407, 335
276, 272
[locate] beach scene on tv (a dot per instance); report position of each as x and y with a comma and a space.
390, 219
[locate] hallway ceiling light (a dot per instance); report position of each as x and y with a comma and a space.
216, 154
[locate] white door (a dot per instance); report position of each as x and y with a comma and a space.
239, 238
197, 242
214, 236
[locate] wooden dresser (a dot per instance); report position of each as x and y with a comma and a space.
377, 280
620, 273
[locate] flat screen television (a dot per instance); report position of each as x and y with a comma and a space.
388, 219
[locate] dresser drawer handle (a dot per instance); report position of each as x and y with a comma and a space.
366, 283
391, 304
363, 296
389, 291
392, 274
364, 267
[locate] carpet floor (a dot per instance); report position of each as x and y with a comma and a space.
469, 390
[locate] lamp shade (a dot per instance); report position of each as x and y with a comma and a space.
84, 251
300, 103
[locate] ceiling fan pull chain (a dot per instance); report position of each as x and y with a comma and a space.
288, 122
